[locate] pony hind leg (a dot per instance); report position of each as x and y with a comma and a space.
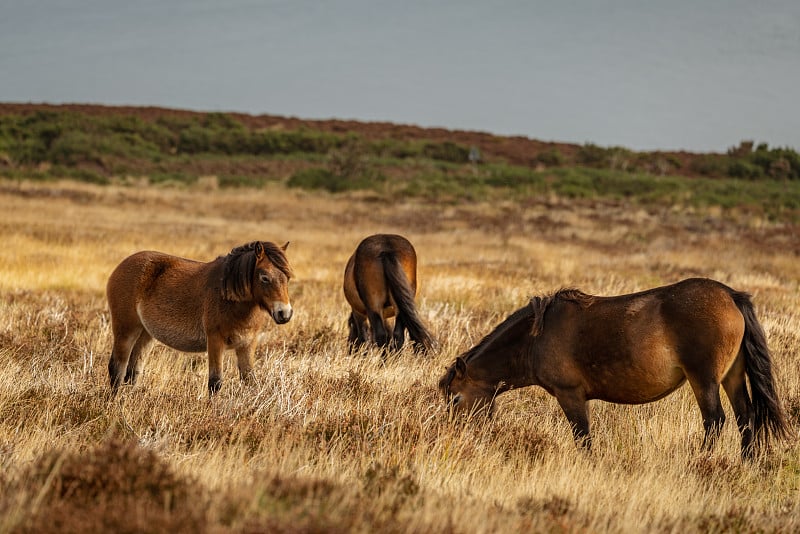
399, 333
707, 396
736, 390
120, 356
379, 332
136, 360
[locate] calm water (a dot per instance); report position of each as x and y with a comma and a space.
680, 74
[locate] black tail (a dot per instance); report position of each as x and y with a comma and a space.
404, 298
769, 417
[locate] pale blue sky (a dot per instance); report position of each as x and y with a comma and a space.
698, 75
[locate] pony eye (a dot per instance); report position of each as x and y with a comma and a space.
264, 278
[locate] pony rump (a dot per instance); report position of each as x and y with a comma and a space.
239, 267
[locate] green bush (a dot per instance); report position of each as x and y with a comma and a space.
325, 179
782, 163
551, 158
396, 149
710, 165
513, 177
446, 151
444, 186
744, 169
71, 148
314, 178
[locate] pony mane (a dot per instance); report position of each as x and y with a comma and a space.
522, 313
539, 305
535, 310
239, 266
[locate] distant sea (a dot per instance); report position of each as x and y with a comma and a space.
642, 74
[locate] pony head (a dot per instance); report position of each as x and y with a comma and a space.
259, 272
489, 368
464, 393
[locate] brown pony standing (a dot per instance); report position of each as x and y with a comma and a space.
380, 282
630, 349
196, 307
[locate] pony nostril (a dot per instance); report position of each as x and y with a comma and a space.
282, 314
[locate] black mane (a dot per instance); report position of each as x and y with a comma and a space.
272, 251
239, 266
535, 312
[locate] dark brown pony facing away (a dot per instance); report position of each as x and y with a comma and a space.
196, 307
380, 282
630, 349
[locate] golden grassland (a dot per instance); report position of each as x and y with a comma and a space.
326, 441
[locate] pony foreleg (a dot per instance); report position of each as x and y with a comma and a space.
215, 350
244, 359
573, 404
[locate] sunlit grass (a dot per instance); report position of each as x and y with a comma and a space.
326, 441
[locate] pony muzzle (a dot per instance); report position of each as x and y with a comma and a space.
281, 312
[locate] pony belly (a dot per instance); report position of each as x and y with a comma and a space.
183, 346
640, 387
180, 343
177, 337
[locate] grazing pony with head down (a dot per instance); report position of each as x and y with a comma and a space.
630, 349
380, 282
195, 307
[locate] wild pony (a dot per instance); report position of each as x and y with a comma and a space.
380, 282
195, 307
630, 349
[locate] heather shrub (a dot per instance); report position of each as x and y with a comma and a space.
116, 486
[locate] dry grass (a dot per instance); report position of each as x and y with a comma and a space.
328, 442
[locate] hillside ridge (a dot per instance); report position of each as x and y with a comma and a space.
515, 150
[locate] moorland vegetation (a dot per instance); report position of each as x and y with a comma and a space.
328, 441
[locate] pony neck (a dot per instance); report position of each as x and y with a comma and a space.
503, 358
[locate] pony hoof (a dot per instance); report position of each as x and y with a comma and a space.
214, 385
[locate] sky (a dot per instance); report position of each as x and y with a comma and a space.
648, 75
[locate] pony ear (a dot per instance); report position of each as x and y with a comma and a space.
461, 367
284, 247
259, 250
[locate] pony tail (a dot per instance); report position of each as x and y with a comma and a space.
404, 297
769, 418
237, 275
